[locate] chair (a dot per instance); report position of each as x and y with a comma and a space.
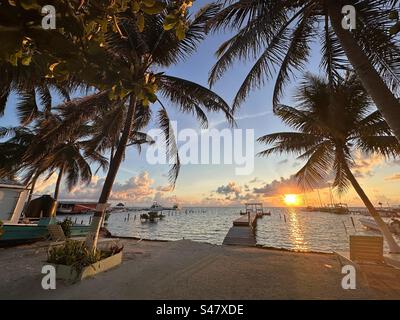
57, 235
56, 232
364, 249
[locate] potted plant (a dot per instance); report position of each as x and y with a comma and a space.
74, 262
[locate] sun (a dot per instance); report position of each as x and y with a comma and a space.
291, 199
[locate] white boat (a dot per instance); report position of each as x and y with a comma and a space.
156, 207
394, 225
12, 201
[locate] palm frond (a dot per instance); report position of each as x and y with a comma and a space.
172, 148
190, 97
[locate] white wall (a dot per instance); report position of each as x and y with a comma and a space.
8, 200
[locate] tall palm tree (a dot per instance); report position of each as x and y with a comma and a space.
136, 84
331, 125
278, 35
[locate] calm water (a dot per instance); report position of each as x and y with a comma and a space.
285, 228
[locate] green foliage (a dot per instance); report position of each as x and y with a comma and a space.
395, 29
66, 226
75, 254
277, 37
331, 124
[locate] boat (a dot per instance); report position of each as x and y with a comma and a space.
256, 208
75, 207
176, 207
337, 208
393, 225
156, 207
21, 226
151, 216
120, 207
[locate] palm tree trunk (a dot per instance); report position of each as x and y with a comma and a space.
57, 190
92, 237
393, 246
384, 99
33, 183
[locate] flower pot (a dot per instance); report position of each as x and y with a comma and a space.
70, 274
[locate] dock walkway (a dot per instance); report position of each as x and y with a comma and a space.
243, 231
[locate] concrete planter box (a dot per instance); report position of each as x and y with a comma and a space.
69, 273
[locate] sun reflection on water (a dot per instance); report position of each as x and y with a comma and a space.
295, 229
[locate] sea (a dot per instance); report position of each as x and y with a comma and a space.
286, 228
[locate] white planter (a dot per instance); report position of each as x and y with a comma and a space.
69, 273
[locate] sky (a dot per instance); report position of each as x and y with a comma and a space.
140, 183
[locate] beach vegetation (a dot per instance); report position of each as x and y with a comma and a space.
66, 225
75, 254
332, 123
138, 40
279, 35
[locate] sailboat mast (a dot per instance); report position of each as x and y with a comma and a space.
319, 197
331, 195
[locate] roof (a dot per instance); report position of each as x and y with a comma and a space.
5, 183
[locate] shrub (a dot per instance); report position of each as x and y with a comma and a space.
75, 254
66, 226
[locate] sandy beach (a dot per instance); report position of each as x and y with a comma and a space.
189, 270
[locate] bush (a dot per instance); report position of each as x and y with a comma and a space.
66, 226
75, 254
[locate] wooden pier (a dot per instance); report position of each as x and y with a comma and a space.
243, 231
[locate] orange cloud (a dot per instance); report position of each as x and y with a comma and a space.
393, 178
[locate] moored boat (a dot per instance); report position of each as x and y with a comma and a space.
31, 224
75, 207
393, 225
337, 208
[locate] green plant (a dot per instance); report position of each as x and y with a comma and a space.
66, 226
75, 254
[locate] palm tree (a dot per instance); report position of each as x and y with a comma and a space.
278, 35
131, 87
26, 155
331, 124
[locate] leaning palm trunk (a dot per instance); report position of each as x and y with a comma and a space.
384, 99
58, 183
33, 183
92, 237
393, 246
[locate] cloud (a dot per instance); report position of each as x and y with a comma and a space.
279, 187
44, 185
166, 188
395, 162
364, 165
283, 162
138, 189
283, 186
232, 188
393, 177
